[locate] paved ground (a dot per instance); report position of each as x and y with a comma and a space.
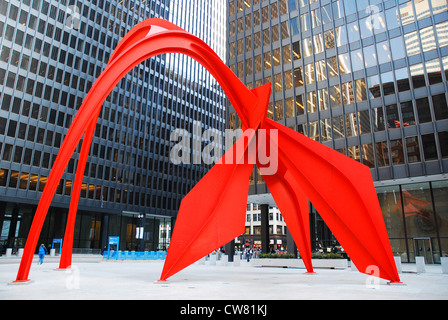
92, 279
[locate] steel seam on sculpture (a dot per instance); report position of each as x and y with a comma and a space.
143, 42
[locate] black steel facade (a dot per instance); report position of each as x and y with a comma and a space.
51, 52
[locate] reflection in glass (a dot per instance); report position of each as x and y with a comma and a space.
412, 43
351, 125
364, 122
338, 127
392, 18
318, 43
321, 73
338, 10
407, 13
440, 194
286, 50
397, 48
366, 27
418, 210
294, 26
353, 32
360, 90
326, 14
428, 39
296, 50
298, 78
439, 6
412, 149
442, 33
329, 39
341, 36
332, 66
311, 102
422, 9
278, 82
315, 18
378, 119
357, 60
373, 86
368, 155
335, 96
393, 119
288, 80
402, 77
423, 111
382, 154
429, 147
369, 56
396, 147
349, 6
276, 57
344, 63
418, 76
434, 71
289, 107
305, 21
278, 110
309, 73
388, 83
440, 106
347, 93
407, 114
307, 47
313, 130
353, 152
443, 141
300, 109
390, 203
323, 99
325, 129
384, 54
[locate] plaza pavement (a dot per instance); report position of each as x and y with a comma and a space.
92, 278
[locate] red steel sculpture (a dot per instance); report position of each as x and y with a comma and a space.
213, 212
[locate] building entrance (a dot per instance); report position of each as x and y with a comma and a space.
423, 248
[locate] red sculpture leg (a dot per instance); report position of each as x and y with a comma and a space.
208, 220
342, 191
293, 205
67, 245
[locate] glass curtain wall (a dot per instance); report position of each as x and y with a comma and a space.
416, 218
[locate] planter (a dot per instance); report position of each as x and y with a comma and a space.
298, 263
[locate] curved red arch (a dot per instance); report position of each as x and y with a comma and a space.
140, 45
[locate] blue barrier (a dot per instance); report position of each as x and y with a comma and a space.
134, 255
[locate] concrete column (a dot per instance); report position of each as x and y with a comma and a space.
264, 228
292, 247
236, 260
398, 263
444, 262
420, 263
230, 250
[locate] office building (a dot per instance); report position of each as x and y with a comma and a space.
51, 52
368, 79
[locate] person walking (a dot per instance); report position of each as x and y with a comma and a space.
42, 252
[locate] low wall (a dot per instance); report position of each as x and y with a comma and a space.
298, 263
